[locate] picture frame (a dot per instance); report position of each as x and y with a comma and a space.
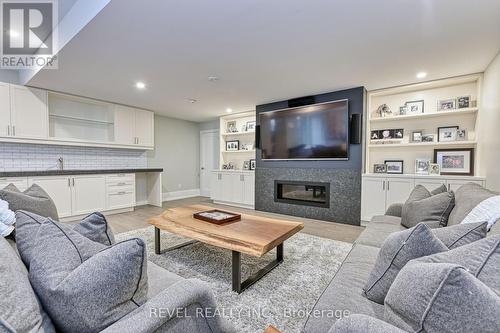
447, 133
394, 166
434, 169
447, 104
422, 166
403, 110
233, 145
252, 164
416, 136
375, 135
231, 127
250, 127
464, 102
428, 138
387, 134
379, 168
455, 161
246, 165
414, 107
462, 135
399, 133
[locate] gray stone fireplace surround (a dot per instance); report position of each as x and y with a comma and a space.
344, 177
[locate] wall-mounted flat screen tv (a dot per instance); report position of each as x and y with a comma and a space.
318, 131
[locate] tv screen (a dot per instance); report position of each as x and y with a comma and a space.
319, 131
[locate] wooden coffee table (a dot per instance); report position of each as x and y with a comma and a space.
253, 235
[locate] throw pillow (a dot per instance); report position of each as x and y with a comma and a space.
440, 189
359, 323
34, 200
82, 289
399, 248
487, 210
19, 306
422, 207
461, 234
481, 258
441, 298
467, 197
95, 227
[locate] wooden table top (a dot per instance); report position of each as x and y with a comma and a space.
253, 235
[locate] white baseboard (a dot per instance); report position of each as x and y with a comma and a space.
176, 195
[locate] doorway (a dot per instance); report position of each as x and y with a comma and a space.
209, 159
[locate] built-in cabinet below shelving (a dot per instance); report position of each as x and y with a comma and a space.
234, 188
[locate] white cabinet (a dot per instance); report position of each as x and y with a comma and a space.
216, 186
398, 190
455, 184
29, 115
430, 184
20, 182
249, 189
144, 128
59, 189
372, 198
89, 194
233, 188
134, 127
5, 123
120, 191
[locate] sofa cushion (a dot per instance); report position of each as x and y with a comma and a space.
344, 294
397, 250
445, 298
423, 207
95, 227
84, 290
461, 234
19, 306
378, 229
159, 279
34, 200
358, 323
481, 258
467, 197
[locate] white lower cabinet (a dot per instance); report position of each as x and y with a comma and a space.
89, 194
233, 188
20, 182
380, 191
59, 189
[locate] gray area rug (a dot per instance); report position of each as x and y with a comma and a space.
281, 298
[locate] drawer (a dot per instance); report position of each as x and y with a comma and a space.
121, 178
120, 187
20, 182
124, 199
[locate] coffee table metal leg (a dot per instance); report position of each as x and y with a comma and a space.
157, 241
239, 286
175, 247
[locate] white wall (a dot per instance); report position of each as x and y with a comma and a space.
489, 126
177, 151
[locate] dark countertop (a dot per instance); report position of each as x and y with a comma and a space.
74, 172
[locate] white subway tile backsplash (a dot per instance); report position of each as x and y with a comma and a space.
27, 157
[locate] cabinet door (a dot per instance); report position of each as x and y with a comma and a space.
430, 184
59, 189
454, 185
5, 128
20, 182
227, 187
249, 190
89, 194
144, 128
238, 188
29, 112
398, 190
372, 197
125, 125
216, 186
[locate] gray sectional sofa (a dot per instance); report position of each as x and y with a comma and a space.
344, 295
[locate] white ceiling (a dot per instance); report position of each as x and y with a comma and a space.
268, 50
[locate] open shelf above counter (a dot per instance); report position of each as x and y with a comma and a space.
452, 113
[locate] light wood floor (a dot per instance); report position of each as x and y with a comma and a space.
138, 219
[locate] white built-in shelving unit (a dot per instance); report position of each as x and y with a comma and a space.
243, 136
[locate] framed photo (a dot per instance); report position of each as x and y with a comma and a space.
231, 127
394, 166
422, 166
399, 133
428, 138
447, 104
434, 169
251, 126
376, 135
387, 134
403, 110
252, 164
379, 168
246, 165
464, 102
462, 135
233, 145
416, 136
456, 161
447, 134
415, 107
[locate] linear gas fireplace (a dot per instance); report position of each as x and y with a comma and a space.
302, 193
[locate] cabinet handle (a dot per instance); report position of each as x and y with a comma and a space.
73, 182
219, 176
242, 178
449, 187
388, 185
137, 140
14, 130
8, 130
383, 185
69, 182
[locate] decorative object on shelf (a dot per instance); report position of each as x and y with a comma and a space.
456, 161
447, 104
387, 134
422, 166
217, 216
434, 169
414, 107
447, 134
394, 167
231, 127
403, 110
462, 135
428, 138
252, 164
416, 136
250, 126
233, 145
247, 146
384, 111
228, 166
379, 168
464, 102
244, 128
246, 165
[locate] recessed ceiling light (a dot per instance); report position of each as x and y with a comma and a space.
192, 100
421, 75
140, 85
213, 78
229, 110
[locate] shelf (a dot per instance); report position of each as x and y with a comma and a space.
92, 121
427, 115
423, 144
238, 133
238, 151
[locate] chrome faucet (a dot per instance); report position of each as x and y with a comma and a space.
61, 163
